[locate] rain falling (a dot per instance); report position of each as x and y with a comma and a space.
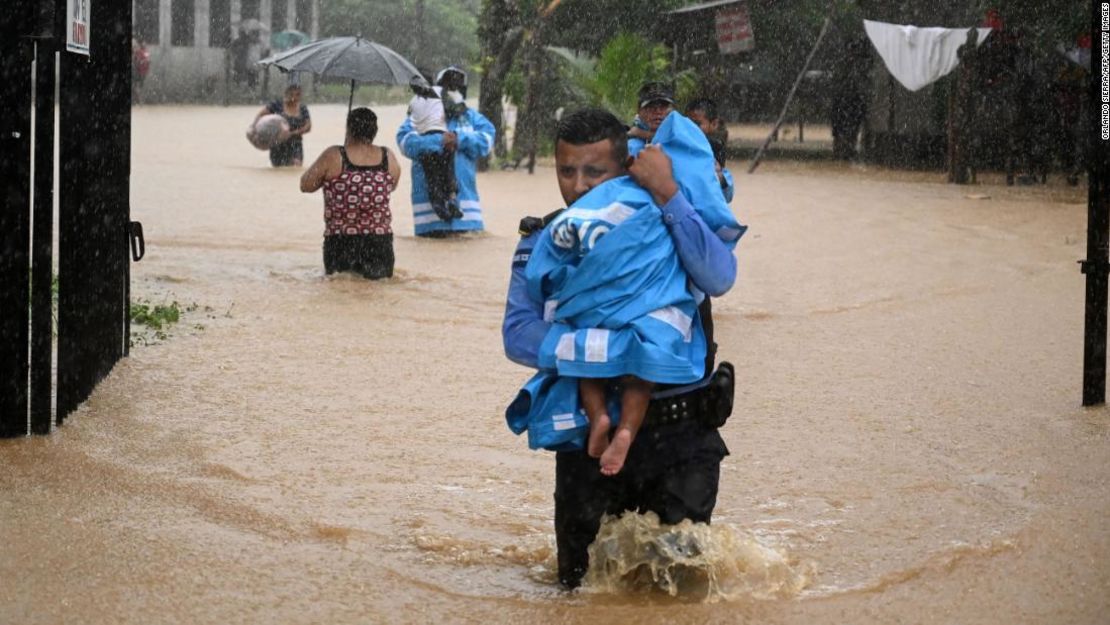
566, 311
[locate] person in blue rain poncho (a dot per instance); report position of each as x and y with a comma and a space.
471, 137
639, 308
656, 101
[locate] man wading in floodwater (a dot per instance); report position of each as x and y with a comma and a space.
673, 467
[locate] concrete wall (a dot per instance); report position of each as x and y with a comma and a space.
199, 73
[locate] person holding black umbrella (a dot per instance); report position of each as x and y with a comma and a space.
358, 178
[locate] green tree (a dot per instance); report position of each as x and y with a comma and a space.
500, 34
430, 33
515, 35
589, 25
536, 23
612, 81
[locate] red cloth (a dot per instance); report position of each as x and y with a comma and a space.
993, 19
141, 59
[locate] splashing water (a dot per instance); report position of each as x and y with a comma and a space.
694, 561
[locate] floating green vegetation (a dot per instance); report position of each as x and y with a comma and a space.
155, 316
156, 320
150, 322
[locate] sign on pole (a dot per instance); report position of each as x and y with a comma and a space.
734, 30
77, 26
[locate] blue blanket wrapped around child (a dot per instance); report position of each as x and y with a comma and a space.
608, 273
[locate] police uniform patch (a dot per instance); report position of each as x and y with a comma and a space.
521, 257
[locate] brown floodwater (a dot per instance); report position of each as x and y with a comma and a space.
907, 445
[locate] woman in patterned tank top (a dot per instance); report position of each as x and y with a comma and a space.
358, 178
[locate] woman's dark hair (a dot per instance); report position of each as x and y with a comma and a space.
591, 125
362, 124
292, 88
705, 105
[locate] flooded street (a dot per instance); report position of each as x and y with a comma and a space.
907, 444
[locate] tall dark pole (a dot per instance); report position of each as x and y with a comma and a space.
1094, 342
1097, 264
15, 196
42, 234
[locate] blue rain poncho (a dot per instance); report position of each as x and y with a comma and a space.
475, 140
607, 271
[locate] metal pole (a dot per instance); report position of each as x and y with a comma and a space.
351, 100
42, 241
1095, 267
1097, 264
790, 96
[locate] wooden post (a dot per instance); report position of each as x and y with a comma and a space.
960, 105
227, 77
790, 96
950, 151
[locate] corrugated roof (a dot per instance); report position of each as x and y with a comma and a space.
703, 5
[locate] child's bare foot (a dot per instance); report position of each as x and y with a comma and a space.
598, 440
612, 460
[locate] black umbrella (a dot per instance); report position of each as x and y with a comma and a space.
353, 58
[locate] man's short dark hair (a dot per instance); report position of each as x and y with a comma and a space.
708, 106
362, 124
591, 125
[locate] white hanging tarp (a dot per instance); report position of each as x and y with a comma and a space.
918, 56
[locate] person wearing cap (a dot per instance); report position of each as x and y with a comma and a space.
470, 137
656, 100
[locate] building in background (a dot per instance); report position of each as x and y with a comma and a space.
205, 50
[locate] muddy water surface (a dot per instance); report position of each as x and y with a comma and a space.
907, 444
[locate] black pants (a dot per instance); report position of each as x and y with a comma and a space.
369, 255
439, 175
285, 154
672, 470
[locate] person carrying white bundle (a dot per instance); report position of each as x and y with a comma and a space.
428, 110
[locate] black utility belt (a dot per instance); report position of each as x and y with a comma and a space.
710, 405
